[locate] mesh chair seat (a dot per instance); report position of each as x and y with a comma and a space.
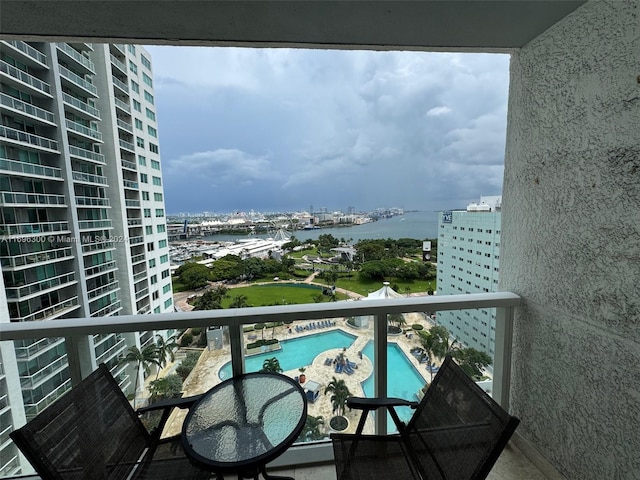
456, 433
92, 432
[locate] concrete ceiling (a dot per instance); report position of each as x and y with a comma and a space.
470, 25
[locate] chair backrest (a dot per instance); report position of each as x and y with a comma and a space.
91, 432
457, 431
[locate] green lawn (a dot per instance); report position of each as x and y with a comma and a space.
277, 294
302, 253
363, 287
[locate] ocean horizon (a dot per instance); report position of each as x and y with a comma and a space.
418, 225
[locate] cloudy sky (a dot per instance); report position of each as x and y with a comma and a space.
281, 130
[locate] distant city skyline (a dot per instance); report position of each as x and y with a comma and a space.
280, 129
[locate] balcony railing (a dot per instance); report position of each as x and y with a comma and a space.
127, 145
78, 80
99, 269
129, 165
77, 56
130, 184
86, 154
30, 169
19, 198
126, 126
16, 261
119, 64
24, 77
80, 105
120, 84
122, 105
31, 139
32, 381
94, 224
36, 228
100, 291
84, 130
52, 311
29, 51
40, 286
89, 178
27, 108
92, 201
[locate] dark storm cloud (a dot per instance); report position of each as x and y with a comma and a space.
279, 129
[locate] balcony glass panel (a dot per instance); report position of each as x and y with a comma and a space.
52, 311
94, 224
31, 139
77, 56
89, 178
127, 145
28, 50
30, 169
78, 80
25, 78
130, 184
27, 259
9, 198
36, 228
120, 84
118, 63
86, 154
80, 105
27, 108
99, 269
79, 128
129, 165
40, 286
92, 201
122, 105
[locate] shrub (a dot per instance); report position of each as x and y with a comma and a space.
417, 326
195, 332
202, 339
186, 340
185, 367
260, 343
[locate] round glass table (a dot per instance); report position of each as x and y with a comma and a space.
244, 423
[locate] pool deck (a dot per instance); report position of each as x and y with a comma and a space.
205, 375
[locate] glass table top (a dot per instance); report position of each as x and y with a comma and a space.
245, 419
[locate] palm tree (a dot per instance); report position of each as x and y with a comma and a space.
340, 393
271, 365
165, 349
430, 345
239, 301
311, 430
142, 359
444, 344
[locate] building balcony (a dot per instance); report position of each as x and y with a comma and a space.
120, 85
19, 229
33, 349
36, 56
33, 409
107, 310
118, 64
136, 240
234, 320
129, 165
80, 61
97, 247
126, 126
30, 169
51, 312
92, 202
39, 287
132, 203
103, 290
35, 379
82, 177
122, 105
20, 137
80, 107
127, 146
84, 131
27, 260
94, 224
135, 259
27, 110
76, 80
20, 78
84, 154
130, 184
93, 271
29, 199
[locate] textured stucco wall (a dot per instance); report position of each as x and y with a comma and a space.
571, 240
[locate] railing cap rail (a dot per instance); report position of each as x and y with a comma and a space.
307, 311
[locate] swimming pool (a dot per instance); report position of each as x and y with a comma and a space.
297, 352
403, 379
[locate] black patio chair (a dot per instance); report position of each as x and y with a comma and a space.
92, 432
456, 433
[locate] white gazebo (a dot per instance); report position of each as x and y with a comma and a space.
385, 292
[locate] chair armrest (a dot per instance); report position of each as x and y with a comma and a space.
362, 403
185, 402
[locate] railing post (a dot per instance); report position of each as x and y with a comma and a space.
380, 368
236, 343
80, 356
502, 360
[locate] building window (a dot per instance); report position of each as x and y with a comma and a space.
150, 247
157, 181
145, 61
135, 87
148, 97
167, 303
152, 263
147, 80
138, 123
144, 178
153, 279
157, 197
133, 67
150, 114
148, 229
147, 213
142, 160
131, 48
155, 164
161, 228
164, 258
165, 273
156, 310
153, 147
162, 243
155, 295
159, 212
137, 106
152, 131
166, 288
140, 142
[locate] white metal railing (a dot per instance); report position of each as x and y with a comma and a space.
128, 164
25, 78
30, 138
35, 228
89, 178
124, 106
92, 201
35, 257
78, 80
22, 198
234, 319
49, 312
98, 269
40, 286
125, 125
84, 130
28, 50
130, 184
120, 84
94, 224
118, 63
30, 168
77, 56
127, 145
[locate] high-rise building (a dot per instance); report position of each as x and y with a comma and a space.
82, 215
469, 262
